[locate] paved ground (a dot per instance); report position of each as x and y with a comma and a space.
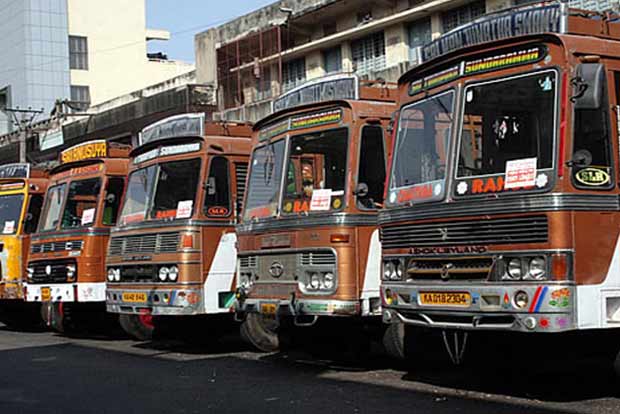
46, 373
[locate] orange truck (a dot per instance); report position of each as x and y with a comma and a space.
173, 252
502, 205
308, 239
22, 188
66, 261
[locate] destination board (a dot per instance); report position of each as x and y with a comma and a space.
329, 88
15, 171
88, 150
179, 126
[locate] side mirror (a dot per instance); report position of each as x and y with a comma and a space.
589, 86
581, 158
361, 190
28, 217
110, 198
210, 186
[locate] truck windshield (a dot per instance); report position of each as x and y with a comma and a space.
10, 212
81, 206
53, 207
264, 182
162, 191
420, 156
316, 172
505, 120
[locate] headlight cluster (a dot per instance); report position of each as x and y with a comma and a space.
525, 268
392, 270
114, 275
245, 281
29, 272
168, 274
71, 272
317, 281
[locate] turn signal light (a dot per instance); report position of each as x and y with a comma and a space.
559, 267
187, 241
339, 238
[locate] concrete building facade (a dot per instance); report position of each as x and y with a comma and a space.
85, 51
256, 57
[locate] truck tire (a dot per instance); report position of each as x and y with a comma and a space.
260, 332
139, 327
394, 341
54, 317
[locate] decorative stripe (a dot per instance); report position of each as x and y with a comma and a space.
541, 299
535, 301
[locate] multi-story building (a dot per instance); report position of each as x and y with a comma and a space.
269, 51
85, 51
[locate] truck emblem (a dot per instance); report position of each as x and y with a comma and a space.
445, 271
276, 269
444, 233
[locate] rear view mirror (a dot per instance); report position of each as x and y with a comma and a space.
210, 186
589, 86
361, 190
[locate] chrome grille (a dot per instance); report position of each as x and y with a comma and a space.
241, 172
57, 246
484, 231
318, 259
149, 243
454, 268
247, 261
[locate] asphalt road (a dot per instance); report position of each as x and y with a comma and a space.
43, 372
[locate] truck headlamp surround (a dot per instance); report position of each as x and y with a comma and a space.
393, 270
173, 273
245, 281
537, 268
514, 270
164, 272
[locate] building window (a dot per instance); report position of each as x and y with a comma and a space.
461, 15
332, 60
80, 97
263, 84
595, 5
293, 73
78, 52
419, 35
368, 53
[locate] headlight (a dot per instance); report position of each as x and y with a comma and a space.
70, 271
110, 275
163, 273
537, 268
245, 282
388, 270
329, 281
315, 281
398, 271
29, 272
174, 273
521, 299
117, 275
514, 269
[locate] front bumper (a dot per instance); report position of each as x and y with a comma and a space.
161, 301
550, 308
306, 307
66, 292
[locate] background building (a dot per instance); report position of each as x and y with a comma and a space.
256, 57
86, 51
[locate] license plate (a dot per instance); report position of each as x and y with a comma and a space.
445, 298
134, 297
46, 294
268, 308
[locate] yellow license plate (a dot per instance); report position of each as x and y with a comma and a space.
445, 298
46, 294
268, 308
134, 297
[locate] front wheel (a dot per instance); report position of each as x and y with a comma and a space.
261, 332
140, 327
394, 340
54, 317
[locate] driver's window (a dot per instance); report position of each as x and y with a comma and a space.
114, 192
34, 211
371, 173
592, 138
217, 195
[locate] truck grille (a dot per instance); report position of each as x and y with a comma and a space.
57, 246
454, 268
148, 243
318, 259
58, 271
457, 233
139, 274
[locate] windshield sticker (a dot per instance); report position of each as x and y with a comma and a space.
321, 200
9, 227
133, 218
520, 173
419, 192
546, 85
88, 216
184, 209
593, 176
505, 60
321, 118
273, 130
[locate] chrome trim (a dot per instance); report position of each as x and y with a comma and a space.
69, 233
175, 223
527, 203
300, 222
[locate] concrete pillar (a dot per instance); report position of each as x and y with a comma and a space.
396, 48
314, 65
